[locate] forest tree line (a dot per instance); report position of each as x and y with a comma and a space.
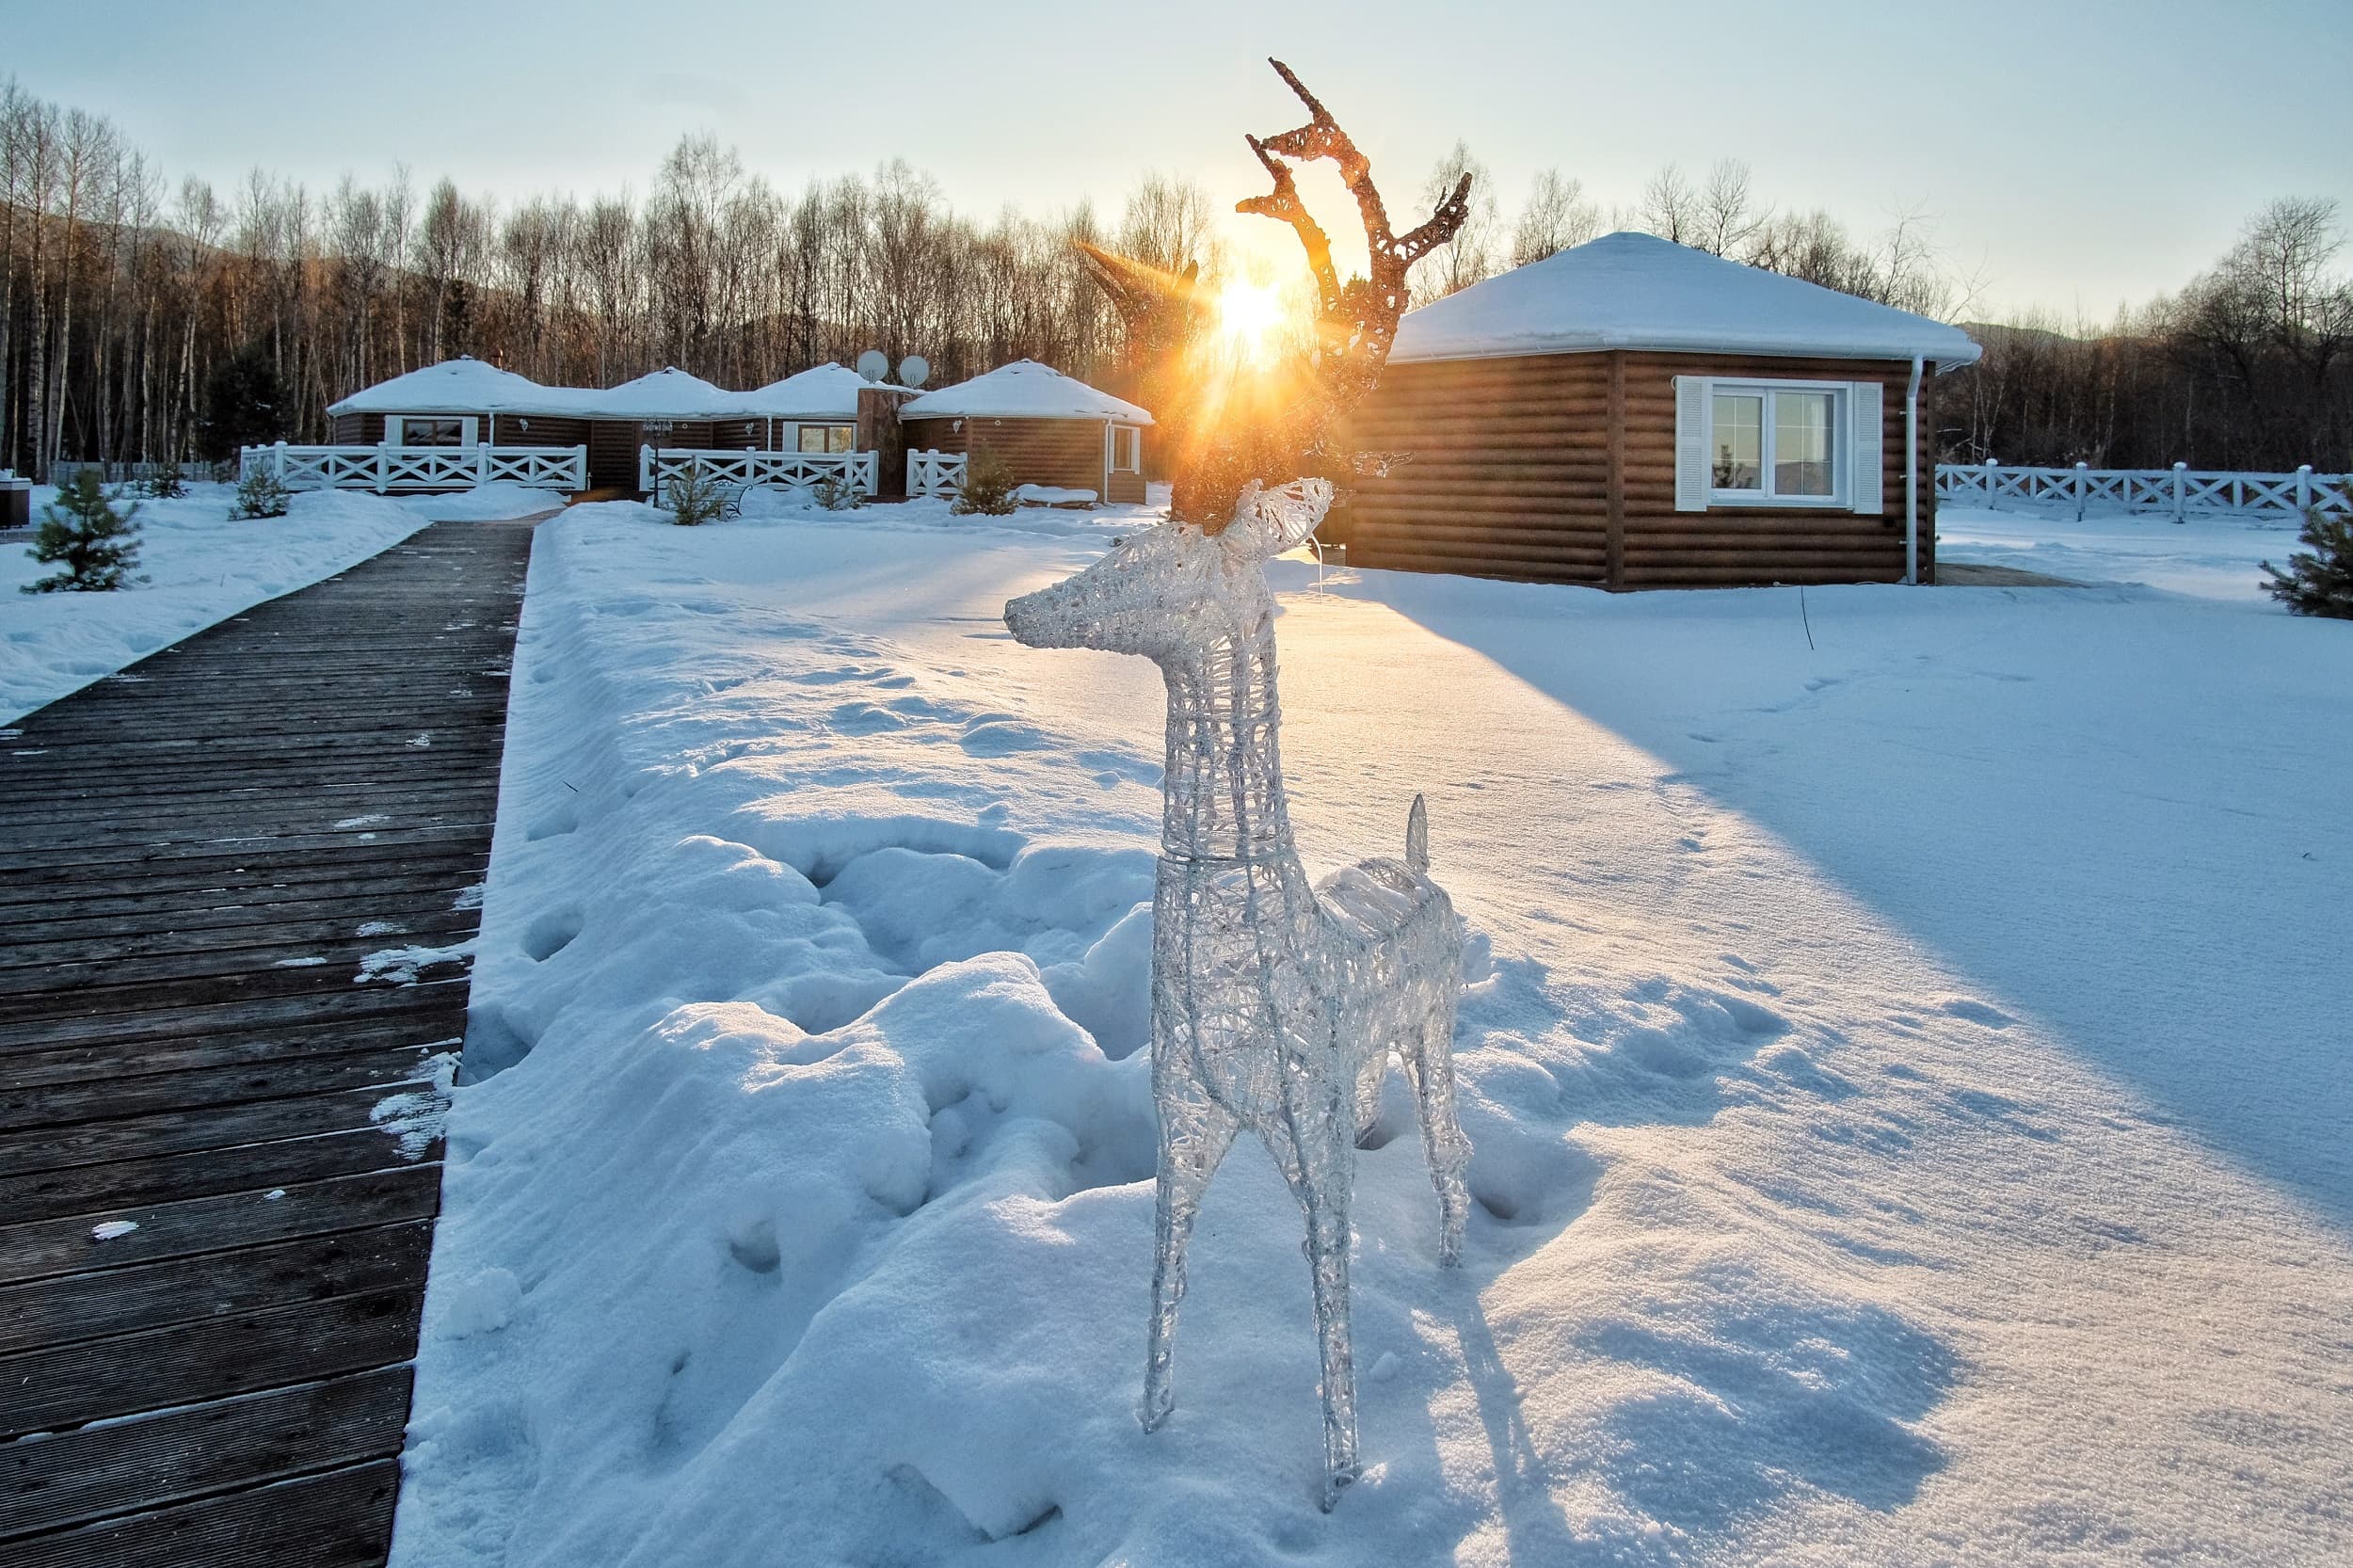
141, 319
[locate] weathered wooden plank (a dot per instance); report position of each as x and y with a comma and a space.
188, 1130
122, 1061
22, 1110
107, 1189
55, 1386
422, 898
348, 871
154, 1461
64, 963
64, 1244
94, 1305
165, 1020
333, 1519
86, 1002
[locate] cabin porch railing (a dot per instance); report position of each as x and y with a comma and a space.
936, 472
657, 466
387, 469
2177, 491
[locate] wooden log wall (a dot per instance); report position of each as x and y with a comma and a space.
1561, 468
1064, 452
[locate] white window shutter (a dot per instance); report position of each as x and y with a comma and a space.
1864, 402
1691, 443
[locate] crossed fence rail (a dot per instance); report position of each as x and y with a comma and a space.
385, 469
2177, 491
787, 471
936, 472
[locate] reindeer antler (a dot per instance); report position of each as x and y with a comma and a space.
1359, 318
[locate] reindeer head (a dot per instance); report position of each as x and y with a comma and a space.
1176, 588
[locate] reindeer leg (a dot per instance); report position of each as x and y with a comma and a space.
1429, 1061
1314, 1143
1326, 1173
1195, 1132
1369, 1079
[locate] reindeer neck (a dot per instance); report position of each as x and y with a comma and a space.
1223, 790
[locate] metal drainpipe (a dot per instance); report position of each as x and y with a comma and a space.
1912, 476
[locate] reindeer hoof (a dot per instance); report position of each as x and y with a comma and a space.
1337, 1482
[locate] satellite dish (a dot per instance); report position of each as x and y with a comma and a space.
873, 364
914, 369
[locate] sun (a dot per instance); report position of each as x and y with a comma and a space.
1247, 314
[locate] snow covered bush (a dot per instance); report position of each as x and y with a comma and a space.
693, 497
2319, 579
167, 483
260, 494
94, 545
987, 487
837, 494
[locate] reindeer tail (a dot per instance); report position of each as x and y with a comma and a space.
1417, 837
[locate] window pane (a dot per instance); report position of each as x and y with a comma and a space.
432, 432
1740, 457
841, 438
1802, 446
812, 438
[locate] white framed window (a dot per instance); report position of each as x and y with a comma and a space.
828, 438
1765, 442
428, 430
1127, 449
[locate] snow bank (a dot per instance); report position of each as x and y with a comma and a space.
201, 567
2210, 557
1900, 1136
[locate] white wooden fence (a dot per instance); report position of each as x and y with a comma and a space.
2176, 491
784, 470
385, 469
935, 473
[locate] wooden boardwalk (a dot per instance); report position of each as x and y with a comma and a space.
196, 857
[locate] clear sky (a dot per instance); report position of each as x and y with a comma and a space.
2077, 153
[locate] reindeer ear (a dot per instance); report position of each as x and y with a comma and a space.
1268, 523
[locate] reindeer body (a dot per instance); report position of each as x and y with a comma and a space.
1275, 1005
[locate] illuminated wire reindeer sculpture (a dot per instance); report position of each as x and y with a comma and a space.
1276, 1005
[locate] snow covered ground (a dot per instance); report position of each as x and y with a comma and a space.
2213, 557
1907, 1076
203, 568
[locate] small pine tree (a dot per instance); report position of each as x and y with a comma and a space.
2319, 579
167, 483
259, 495
987, 487
837, 494
693, 497
96, 545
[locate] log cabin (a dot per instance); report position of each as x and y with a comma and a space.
463, 402
1634, 414
1052, 429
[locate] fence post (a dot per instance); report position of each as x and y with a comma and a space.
1993, 496
383, 468
278, 459
2083, 488
2304, 488
2181, 504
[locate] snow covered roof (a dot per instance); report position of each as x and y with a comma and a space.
1023, 390
670, 393
1638, 291
465, 386
822, 392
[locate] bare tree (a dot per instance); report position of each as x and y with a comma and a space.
1728, 216
1669, 207
1469, 256
1556, 217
